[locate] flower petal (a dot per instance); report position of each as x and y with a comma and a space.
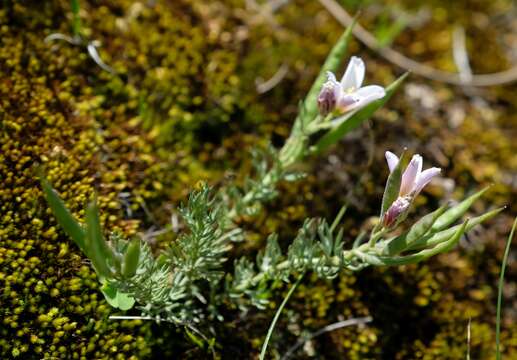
361, 97
354, 74
410, 175
424, 178
392, 160
373, 92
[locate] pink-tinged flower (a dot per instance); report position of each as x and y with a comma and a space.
412, 182
347, 94
413, 178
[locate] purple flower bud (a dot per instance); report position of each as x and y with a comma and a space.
327, 99
395, 211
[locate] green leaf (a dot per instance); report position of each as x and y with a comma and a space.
110, 294
442, 247
335, 134
391, 192
65, 219
500, 292
332, 63
417, 231
454, 213
116, 298
97, 249
271, 256
125, 301
439, 237
131, 259
338, 218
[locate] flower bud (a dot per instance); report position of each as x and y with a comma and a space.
327, 98
395, 211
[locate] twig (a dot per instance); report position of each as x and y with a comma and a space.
460, 55
328, 328
92, 50
468, 339
275, 5
497, 78
265, 86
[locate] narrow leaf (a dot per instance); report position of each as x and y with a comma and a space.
131, 259
454, 213
436, 238
97, 249
335, 134
442, 247
338, 218
500, 292
65, 219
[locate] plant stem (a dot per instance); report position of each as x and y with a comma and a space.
376, 236
335, 261
500, 292
76, 19
277, 316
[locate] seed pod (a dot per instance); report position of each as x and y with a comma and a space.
131, 259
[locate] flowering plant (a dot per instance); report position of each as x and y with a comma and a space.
187, 283
348, 95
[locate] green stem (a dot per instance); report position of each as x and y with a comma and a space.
334, 261
376, 236
500, 292
277, 316
76, 19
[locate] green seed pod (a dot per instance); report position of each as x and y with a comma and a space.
131, 259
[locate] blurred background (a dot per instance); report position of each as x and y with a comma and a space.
192, 87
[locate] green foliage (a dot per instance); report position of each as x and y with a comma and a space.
200, 253
417, 231
131, 259
116, 298
65, 218
456, 212
60, 111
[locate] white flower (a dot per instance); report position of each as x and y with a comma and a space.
413, 178
348, 95
412, 182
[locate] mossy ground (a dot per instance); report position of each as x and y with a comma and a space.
183, 108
